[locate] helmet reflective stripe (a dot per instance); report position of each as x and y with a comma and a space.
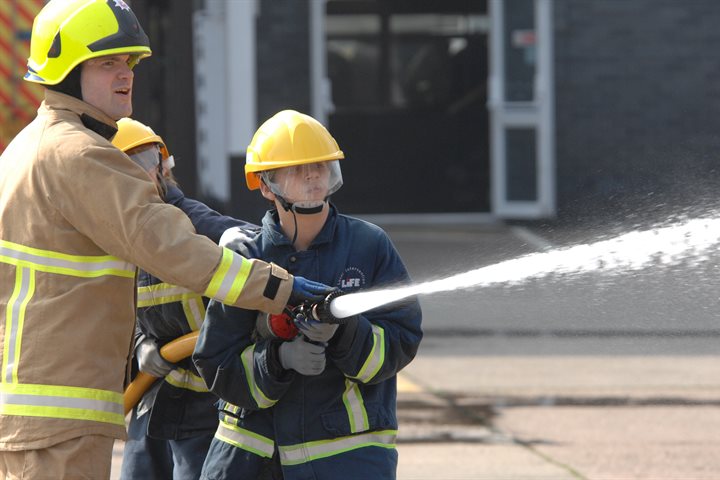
187, 380
307, 452
15, 315
375, 358
68, 32
245, 439
55, 262
258, 395
55, 401
229, 278
353, 401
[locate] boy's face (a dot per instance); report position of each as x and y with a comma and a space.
148, 157
302, 183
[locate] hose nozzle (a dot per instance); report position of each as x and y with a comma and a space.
320, 310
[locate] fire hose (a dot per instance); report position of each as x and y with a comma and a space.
182, 347
173, 352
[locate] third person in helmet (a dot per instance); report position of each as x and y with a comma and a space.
171, 427
323, 404
148, 150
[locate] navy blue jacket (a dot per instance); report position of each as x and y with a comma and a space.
341, 423
185, 408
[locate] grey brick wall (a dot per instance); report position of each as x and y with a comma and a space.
637, 104
163, 92
283, 57
283, 81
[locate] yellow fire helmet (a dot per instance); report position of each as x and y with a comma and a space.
287, 139
68, 32
132, 134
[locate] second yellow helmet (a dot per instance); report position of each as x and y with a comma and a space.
132, 134
286, 139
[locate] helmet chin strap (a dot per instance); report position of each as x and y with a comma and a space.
292, 208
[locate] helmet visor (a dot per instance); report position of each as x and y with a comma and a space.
306, 185
148, 158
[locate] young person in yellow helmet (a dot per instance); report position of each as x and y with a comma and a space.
147, 149
171, 427
321, 404
76, 217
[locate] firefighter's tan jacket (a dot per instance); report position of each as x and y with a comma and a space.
76, 217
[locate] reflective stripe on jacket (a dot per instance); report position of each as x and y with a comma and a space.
346, 415
185, 407
76, 216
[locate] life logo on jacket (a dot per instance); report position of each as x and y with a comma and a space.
352, 278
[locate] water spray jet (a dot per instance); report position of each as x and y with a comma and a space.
688, 241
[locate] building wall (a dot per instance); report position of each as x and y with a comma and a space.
637, 98
637, 105
283, 57
163, 93
283, 82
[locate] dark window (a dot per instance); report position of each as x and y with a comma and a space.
409, 94
521, 154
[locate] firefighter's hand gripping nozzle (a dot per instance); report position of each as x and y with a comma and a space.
319, 311
285, 325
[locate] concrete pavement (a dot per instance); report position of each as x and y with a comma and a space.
599, 379
569, 417
589, 380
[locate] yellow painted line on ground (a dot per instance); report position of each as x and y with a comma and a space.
406, 385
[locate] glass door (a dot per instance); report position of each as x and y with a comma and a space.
408, 86
521, 109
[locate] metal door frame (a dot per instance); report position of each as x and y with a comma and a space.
537, 114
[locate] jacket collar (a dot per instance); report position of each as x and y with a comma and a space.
92, 117
271, 229
174, 195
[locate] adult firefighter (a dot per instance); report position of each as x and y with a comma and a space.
171, 428
323, 404
76, 217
